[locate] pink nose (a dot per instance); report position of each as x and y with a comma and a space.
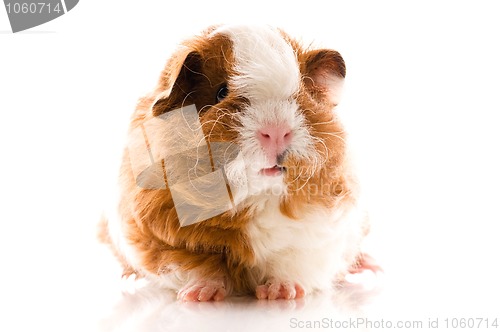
274, 140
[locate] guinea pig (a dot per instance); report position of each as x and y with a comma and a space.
235, 179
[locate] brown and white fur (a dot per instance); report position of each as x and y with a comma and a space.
298, 228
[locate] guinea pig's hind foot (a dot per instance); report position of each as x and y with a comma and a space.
365, 262
203, 291
274, 289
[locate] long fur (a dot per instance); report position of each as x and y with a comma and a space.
303, 227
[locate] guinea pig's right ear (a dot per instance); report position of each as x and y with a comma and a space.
324, 72
177, 82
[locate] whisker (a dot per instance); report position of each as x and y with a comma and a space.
323, 123
332, 134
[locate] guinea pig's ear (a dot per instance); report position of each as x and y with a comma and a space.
177, 82
324, 73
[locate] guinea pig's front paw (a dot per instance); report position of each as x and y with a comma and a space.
203, 290
275, 289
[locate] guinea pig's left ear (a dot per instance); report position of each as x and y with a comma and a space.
177, 82
324, 72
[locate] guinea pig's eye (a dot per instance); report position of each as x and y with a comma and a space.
222, 93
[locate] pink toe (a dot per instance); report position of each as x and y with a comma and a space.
206, 293
192, 296
299, 291
287, 291
220, 294
261, 292
274, 291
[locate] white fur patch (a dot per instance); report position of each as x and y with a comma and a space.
311, 251
266, 64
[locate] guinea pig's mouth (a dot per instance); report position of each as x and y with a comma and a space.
273, 171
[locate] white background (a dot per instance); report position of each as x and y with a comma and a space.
421, 104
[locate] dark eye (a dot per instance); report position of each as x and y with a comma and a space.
222, 93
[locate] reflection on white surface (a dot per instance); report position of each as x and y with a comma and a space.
426, 290
152, 310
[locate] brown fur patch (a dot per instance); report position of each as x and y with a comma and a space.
327, 184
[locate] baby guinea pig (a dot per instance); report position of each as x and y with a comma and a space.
235, 179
